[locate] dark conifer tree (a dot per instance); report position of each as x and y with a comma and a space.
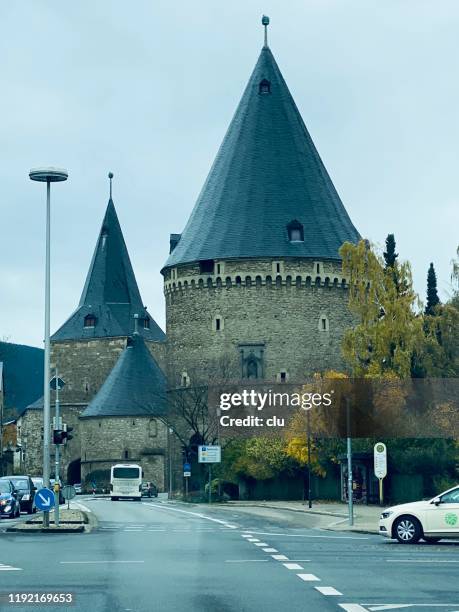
432, 294
390, 255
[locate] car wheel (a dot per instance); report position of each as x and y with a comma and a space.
430, 540
407, 530
29, 509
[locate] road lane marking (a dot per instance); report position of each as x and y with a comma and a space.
198, 514
94, 562
9, 568
422, 561
280, 557
270, 550
308, 577
292, 566
81, 506
327, 590
393, 606
260, 543
253, 540
246, 560
352, 607
301, 535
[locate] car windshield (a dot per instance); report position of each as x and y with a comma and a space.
21, 484
4, 487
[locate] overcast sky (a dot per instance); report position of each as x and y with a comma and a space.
147, 90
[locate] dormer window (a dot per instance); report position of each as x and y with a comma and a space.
206, 266
264, 87
90, 320
146, 323
295, 231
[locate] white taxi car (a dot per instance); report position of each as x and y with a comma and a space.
430, 520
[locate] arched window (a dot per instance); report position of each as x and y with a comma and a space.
295, 231
126, 454
90, 320
252, 368
264, 87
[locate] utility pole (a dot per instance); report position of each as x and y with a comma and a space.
57, 455
308, 417
350, 492
48, 176
170, 462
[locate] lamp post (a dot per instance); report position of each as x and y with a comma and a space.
48, 176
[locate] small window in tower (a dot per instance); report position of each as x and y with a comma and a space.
206, 266
324, 325
185, 380
295, 231
126, 454
318, 268
218, 323
283, 376
90, 320
146, 323
278, 268
264, 87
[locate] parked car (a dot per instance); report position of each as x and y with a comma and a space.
38, 482
148, 489
9, 504
430, 520
25, 492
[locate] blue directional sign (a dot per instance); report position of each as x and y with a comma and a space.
44, 499
187, 467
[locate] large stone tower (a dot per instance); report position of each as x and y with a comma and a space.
254, 285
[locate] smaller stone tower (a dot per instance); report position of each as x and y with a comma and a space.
122, 422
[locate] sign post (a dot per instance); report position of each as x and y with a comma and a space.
69, 493
56, 384
186, 475
210, 454
380, 467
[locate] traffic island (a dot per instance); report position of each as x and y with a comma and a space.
70, 521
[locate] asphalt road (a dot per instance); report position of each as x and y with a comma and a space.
156, 556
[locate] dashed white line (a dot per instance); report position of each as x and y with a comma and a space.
279, 557
352, 607
253, 540
308, 577
328, 590
9, 568
293, 566
260, 543
270, 550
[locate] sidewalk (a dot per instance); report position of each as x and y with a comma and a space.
365, 517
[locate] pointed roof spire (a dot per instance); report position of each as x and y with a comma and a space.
265, 22
266, 175
110, 176
110, 295
135, 387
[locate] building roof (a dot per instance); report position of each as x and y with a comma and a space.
22, 375
135, 387
110, 293
267, 174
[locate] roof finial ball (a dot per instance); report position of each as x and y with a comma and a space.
110, 176
265, 22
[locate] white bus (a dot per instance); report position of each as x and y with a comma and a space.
126, 481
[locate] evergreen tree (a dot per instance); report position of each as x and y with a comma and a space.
432, 294
390, 255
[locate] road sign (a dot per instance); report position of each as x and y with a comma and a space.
44, 499
56, 383
209, 454
187, 470
68, 492
380, 460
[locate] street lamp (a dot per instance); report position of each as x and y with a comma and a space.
48, 176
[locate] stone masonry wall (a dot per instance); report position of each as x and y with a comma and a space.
105, 440
257, 304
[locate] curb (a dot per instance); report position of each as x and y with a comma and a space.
304, 512
78, 529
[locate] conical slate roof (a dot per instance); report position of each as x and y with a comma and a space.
110, 293
135, 387
267, 174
